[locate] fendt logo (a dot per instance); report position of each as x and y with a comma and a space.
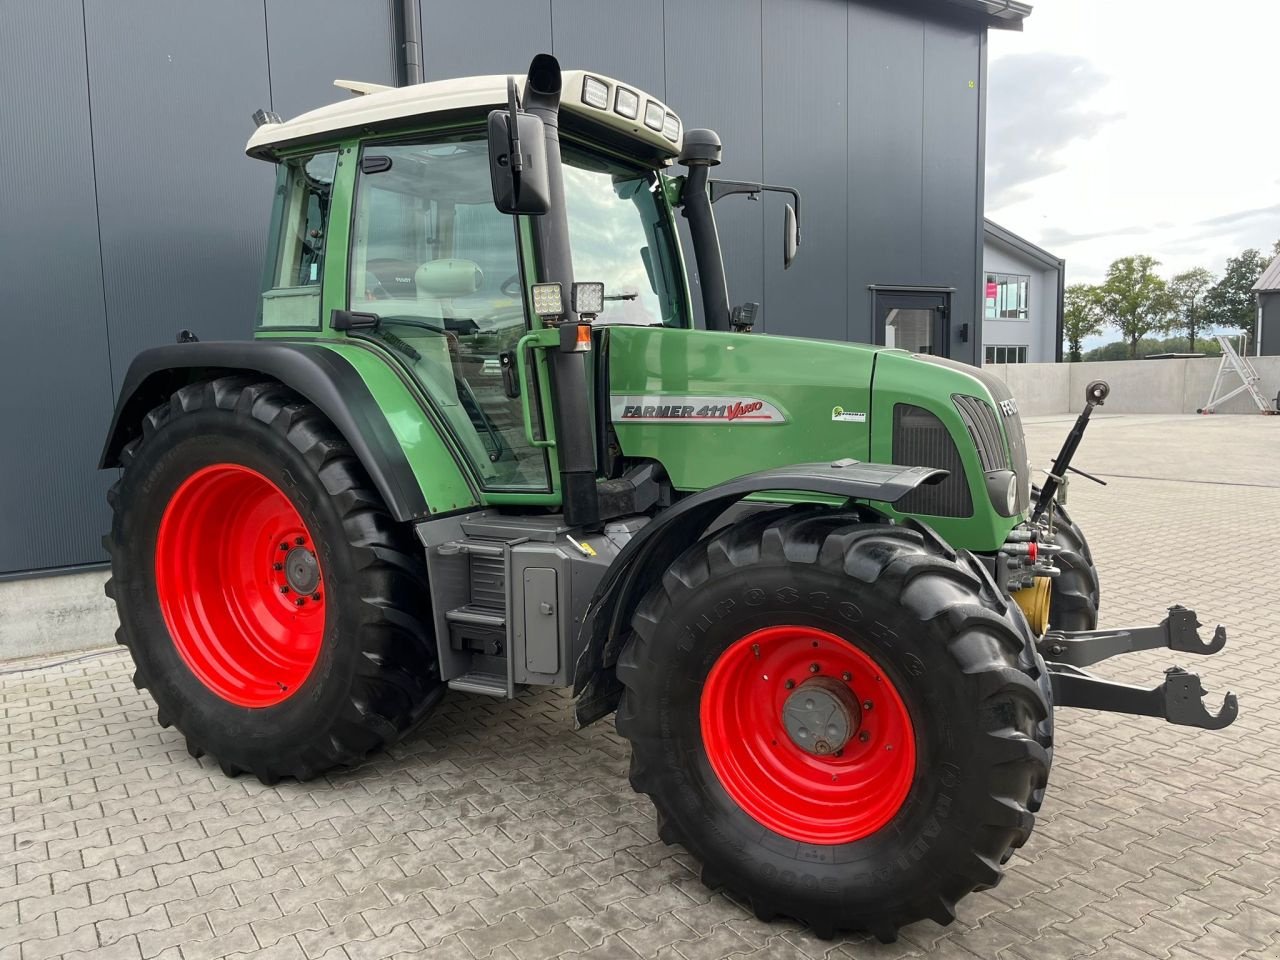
671, 409
1009, 407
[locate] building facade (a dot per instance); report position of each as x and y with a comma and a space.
1267, 290
1022, 293
130, 211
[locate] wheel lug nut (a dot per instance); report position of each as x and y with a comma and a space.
813, 668
789, 684
277, 566
846, 676
284, 588
284, 546
315, 596
864, 736
299, 540
300, 601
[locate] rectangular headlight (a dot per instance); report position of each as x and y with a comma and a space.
595, 93
548, 300
671, 128
588, 298
654, 115
626, 103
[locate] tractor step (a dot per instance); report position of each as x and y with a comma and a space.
1176, 700
486, 684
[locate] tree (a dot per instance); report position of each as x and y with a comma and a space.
1230, 302
1135, 299
1188, 291
1081, 316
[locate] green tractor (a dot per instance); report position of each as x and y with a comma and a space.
477, 444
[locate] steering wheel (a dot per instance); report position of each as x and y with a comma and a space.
511, 286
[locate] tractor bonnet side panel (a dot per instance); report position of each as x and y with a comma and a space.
711, 406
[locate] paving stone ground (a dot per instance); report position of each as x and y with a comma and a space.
498, 831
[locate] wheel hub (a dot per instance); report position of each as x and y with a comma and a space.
301, 570
807, 734
821, 716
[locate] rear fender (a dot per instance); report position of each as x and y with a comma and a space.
325, 378
657, 545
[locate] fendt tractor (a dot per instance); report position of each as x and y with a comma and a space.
479, 444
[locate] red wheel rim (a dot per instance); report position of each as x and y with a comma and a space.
241, 599
837, 798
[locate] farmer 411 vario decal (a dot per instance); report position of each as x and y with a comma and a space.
677, 409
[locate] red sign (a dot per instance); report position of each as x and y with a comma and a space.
991, 291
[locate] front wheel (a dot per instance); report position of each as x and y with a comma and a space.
842, 720
274, 610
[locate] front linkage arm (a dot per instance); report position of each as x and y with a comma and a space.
1176, 700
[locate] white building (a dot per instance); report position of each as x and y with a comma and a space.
1022, 299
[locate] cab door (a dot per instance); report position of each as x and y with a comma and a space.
439, 266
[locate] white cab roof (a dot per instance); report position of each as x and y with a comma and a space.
378, 107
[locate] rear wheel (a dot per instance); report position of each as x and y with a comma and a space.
274, 610
843, 721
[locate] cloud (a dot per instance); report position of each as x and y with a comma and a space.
1034, 111
1062, 237
1238, 217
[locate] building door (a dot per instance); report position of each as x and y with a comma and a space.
913, 321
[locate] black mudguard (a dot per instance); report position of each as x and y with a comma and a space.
657, 545
321, 376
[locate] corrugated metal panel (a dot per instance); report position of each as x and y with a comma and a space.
183, 212
718, 85
587, 36
478, 37
806, 134
1270, 279
952, 180
55, 383
335, 39
886, 99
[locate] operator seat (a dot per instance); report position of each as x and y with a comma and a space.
438, 282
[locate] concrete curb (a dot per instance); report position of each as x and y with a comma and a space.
46, 616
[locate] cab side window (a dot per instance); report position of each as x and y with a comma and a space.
300, 218
437, 262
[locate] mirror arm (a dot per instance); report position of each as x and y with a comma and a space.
725, 188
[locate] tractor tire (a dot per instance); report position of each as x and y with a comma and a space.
1074, 594
274, 609
946, 723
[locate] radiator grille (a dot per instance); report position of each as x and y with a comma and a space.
984, 429
920, 439
488, 582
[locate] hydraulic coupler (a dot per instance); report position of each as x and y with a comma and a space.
1176, 700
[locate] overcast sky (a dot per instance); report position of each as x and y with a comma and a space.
1137, 126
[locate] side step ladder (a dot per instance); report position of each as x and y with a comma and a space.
1239, 364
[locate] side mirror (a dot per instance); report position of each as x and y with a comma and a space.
791, 238
518, 159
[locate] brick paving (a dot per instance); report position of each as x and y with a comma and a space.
498, 831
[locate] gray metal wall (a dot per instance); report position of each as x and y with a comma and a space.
127, 210
1269, 325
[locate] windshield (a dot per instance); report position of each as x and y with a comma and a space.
620, 235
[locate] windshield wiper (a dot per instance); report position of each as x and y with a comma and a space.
621, 296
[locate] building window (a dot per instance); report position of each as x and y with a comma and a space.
1006, 296
1006, 354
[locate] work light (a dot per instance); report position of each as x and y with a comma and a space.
671, 127
587, 298
595, 93
654, 115
548, 300
626, 103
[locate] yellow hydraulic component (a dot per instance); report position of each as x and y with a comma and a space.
1034, 601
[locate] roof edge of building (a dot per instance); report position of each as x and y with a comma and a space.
1006, 236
